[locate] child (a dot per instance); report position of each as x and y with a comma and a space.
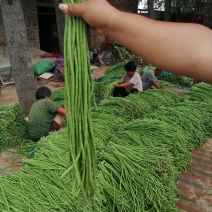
45, 115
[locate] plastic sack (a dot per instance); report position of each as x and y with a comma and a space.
165, 74
42, 67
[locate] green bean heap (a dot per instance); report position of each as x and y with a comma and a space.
13, 127
79, 89
139, 156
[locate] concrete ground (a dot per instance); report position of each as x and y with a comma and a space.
10, 161
8, 94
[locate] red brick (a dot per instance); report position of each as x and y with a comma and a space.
200, 166
197, 180
196, 186
203, 155
188, 207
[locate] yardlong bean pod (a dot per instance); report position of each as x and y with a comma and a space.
79, 90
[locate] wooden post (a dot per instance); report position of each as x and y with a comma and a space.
19, 54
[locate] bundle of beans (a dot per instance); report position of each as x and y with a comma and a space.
105, 125
154, 99
112, 76
114, 72
121, 107
166, 84
99, 88
38, 186
177, 80
200, 96
201, 92
136, 105
59, 96
152, 132
186, 116
79, 90
124, 180
13, 127
130, 180
205, 112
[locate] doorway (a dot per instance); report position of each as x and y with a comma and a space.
48, 29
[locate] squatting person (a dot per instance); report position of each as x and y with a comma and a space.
45, 115
149, 78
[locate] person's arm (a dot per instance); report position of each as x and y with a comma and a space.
156, 84
61, 110
181, 48
124, 84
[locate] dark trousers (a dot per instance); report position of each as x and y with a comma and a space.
121, 92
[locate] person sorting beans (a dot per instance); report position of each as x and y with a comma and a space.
149, 78
131, 82
45, 115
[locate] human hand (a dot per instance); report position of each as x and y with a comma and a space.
97, 13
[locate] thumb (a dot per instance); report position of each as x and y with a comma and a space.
73, 9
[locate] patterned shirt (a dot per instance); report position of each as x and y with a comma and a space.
40, 118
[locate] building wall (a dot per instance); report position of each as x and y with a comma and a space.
31, 21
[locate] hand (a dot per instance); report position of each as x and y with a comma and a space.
97, 13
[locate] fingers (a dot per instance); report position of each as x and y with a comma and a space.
73, 9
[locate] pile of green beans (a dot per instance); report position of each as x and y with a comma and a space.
137, 105
201, 97
79, 89
59, 97
177, 80
138, 159
201, 92
104, 89
13, 127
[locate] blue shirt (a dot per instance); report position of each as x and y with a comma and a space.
147, 79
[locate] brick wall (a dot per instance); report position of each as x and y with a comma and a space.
30, 14
123, 5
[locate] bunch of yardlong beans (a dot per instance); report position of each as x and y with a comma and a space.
137, 105
79, 88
